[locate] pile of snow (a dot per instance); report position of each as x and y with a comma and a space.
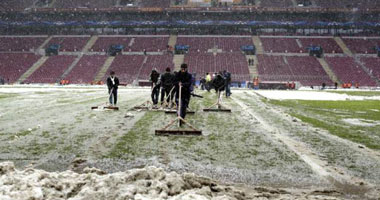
138, 184
147, 183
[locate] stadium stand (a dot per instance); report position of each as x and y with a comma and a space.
207, 54
84, 3
127, 67
155, 3
362, 45
308, 71
285, 28
20, 43
298, 45
235, 63
373, 65
304, 69
103, 43
162, 4
281, 45
277, 3
13, 65
51, 70
149, 43
158, 62
348, 71
328, 44
15, 4
347, 3
69, 43
132, 43
227, 44
85, 70
273, 65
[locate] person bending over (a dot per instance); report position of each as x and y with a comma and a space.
112, 84
218, 82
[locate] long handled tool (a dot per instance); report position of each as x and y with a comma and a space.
174, 112
180, 121
188, 111
219, 106
111, 107
147, 105
167, 98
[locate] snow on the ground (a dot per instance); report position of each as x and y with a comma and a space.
74, 122
360, 122
140, 184
51, 88
310, 95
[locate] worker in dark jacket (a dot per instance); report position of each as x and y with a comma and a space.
167, 80
154, 78
218, 83
112, 84
227, 78
183, 80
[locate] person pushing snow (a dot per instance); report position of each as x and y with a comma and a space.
112, 84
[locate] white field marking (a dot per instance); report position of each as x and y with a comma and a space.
352, 145
296, 147
308, 156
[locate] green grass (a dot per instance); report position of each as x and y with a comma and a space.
328, 115
45, 134
24, 132
64, 101
7, 95
227, 140
35, 148
355, 109
41, 92
351, 134
132, 144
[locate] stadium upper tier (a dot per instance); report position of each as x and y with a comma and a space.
84, 59
298, 45
267, 4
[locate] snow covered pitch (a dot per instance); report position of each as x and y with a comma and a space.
283, 144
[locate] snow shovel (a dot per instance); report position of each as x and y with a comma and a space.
165, 104
166, 131
111, 107
148, 105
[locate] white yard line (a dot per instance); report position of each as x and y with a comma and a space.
320, 167
353, 145
315, 164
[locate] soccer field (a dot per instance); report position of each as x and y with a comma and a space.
293, 140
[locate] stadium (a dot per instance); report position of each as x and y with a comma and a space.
189, 99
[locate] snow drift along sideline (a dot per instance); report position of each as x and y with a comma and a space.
138, 184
